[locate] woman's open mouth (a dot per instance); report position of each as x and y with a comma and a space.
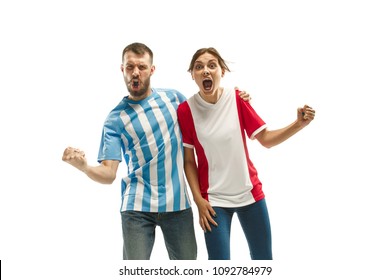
207, 84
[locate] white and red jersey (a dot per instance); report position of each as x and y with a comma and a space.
227, 176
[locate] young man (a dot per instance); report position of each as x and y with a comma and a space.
144, 127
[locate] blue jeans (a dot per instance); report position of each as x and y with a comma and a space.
255, 223
138, 229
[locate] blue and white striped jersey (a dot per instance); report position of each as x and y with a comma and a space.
148, 134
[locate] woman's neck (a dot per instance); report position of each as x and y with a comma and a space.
213, 97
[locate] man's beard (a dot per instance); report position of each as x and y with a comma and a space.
142, 90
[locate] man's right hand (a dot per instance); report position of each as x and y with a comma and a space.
76, 158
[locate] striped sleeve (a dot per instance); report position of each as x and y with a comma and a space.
110, 143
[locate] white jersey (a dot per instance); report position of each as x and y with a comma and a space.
227, 176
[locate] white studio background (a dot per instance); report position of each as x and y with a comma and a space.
326, 187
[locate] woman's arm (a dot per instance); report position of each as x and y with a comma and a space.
271, 138
205, 210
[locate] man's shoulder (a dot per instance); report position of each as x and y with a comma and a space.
171, 92
116, 110
167, 90
120, 105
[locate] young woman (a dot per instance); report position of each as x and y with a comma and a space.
222, 178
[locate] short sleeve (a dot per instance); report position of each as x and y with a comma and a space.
251, 121
110, 143
186, 124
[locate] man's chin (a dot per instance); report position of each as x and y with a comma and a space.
137, 94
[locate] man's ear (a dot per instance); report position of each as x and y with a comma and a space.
152, 69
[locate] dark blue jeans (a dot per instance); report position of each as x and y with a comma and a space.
138, 229
255, 223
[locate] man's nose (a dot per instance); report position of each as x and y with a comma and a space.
135, 72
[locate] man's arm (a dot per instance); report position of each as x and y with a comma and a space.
105, 173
